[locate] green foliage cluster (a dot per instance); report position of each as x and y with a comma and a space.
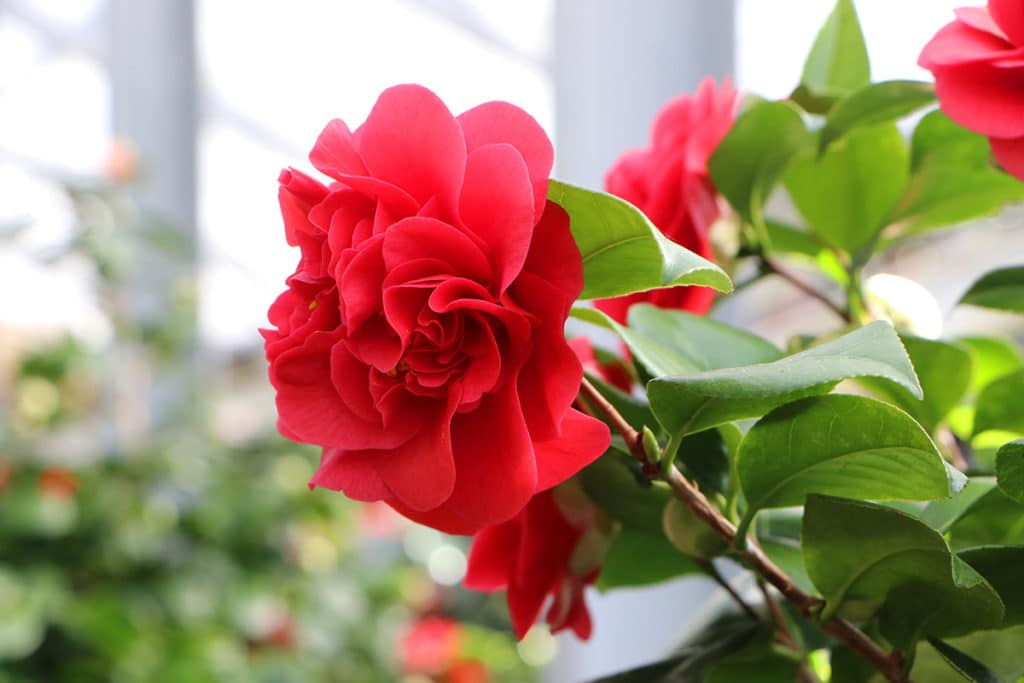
883, 472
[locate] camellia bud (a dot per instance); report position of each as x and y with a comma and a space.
688, 533
651, 447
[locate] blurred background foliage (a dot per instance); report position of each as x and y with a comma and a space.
154, 527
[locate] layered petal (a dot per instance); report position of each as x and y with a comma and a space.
412, 141
1009, 15
983, 99
1010, 155
500, 122
582, 441
497, 206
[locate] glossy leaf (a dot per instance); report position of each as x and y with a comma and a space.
994, 519
623, 252
748, 162
873, 104
846, 194
786, 239
1003, 567
639, 558
944, 370
999, 405
842, 445
1001, 289
1010, 470
838, 62
964, 664
706, 343
691, 403
944, 195
867, 559
656, 356
942, 514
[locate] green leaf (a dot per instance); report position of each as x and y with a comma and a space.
787, 556
691, 403
704, 458
639, 558
938, 141
999, 405
846, 194
748, 162
942, 514
838, 62
994, 519
616, 485
623, 252
706, 343
873, 104
867, 559
944, 195
967, 666
944, 370
658, 358
1000, 650
992, 358
786, 239
1002, 566
841, 445
1010, 470
1001, 289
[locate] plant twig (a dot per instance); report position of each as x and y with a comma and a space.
713, 572
784, 635
774, 268
889, 665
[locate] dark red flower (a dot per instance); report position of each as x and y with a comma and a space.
420, 341
669, 182
539, 554
978, 64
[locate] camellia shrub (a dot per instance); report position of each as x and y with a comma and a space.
867, 479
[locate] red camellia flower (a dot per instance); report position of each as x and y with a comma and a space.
978, 64
540, 553
420, 340
669, 182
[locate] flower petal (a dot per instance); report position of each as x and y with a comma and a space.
582, 441
1009, 15
497, 206
983, 99
492, 556
957, 43
497, 472
421, 472
497, 122
351, 472
334, 152
1010, 155
411, 140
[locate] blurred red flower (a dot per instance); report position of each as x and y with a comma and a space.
978, 64
420, 340
669, 182
538, 555
614, 373
430, 646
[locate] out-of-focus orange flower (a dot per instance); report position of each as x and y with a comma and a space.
58, 483
430, 646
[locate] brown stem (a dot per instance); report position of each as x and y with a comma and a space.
713, 572
784, 635
774, 268
889, 665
